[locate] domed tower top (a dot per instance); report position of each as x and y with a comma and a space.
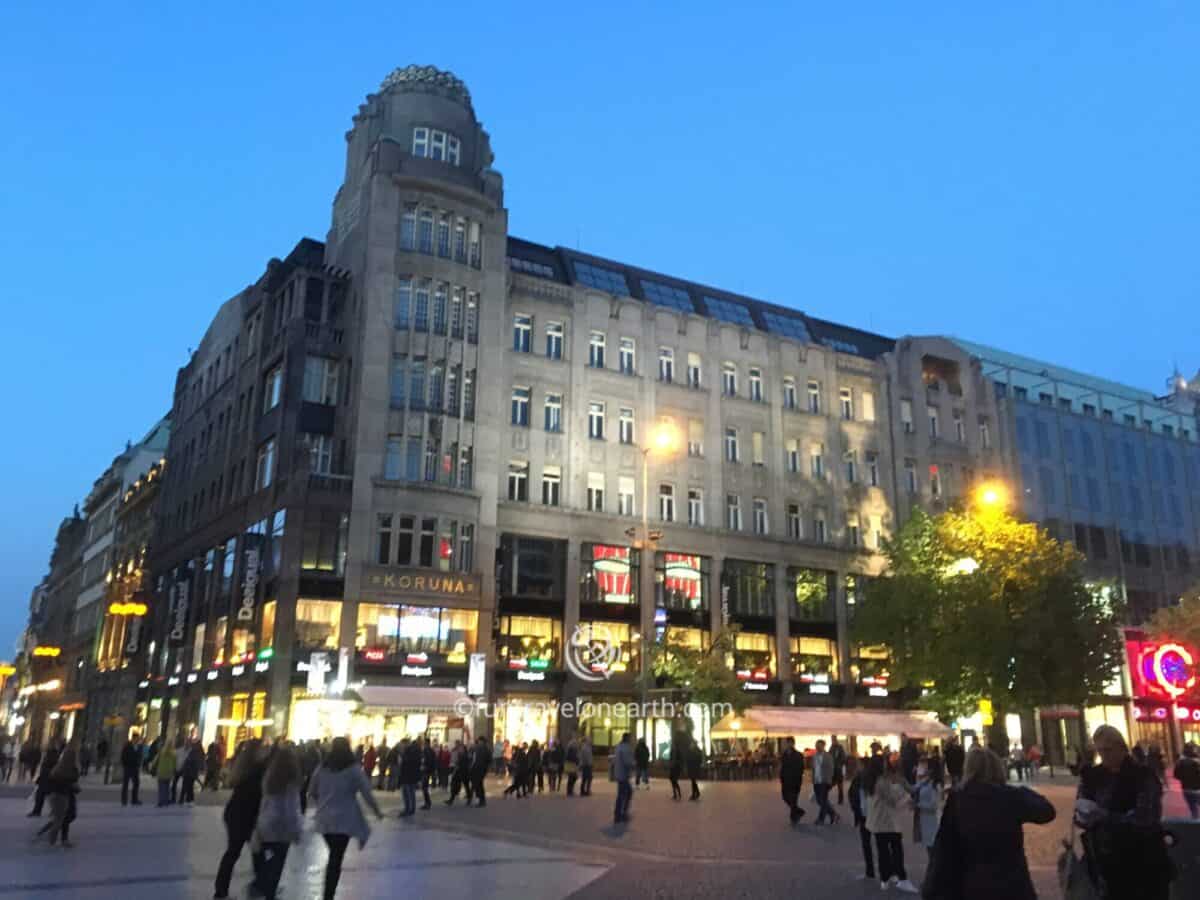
428, 79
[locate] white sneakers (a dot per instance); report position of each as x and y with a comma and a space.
904, 887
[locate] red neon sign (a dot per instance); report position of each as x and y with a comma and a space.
375, 655
1163, 670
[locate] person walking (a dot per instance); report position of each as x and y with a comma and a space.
537, 768
500, 754
641, 755
481, 763
791, 779
925, 803
166, 764
61, 785
410, 775
131, 770
554, 764
212, 767
838, 753
460, 773
334, 792
310, 758
980, 847
861, 783
443, 766
370, 757
571, 765
429, 766
192, 766
517, 767
241, 812
1119, 806
675, 770
889, 796
585, 767
280, 822
954, 759
624, 762
393, 767
1187, 773
908, 758
822, 777
48, 761
85, 760
29, 759
695, 760
102, 749
382, 762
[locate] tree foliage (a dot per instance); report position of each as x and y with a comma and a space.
695, 675
1178, 623
981, 605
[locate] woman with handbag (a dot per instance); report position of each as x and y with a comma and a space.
280, 822
979, 853
1119, 806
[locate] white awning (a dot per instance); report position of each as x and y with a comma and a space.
783, 721
419, 699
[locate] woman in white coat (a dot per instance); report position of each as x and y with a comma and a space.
889, 796
334, 794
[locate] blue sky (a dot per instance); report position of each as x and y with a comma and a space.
1024, 176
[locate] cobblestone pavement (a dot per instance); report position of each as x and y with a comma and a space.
733, 843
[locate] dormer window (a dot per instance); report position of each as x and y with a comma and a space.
430, 143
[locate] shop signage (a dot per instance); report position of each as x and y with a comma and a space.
531, 676
754, 686
133, 637
877, 692
172, 681
132, 608
237, 670
391, 581
179, 610
262, 665
7, 669
1161, 670
417, 671
318, 667
417, 659
477, 674
192, 677
47, 651
249, 586
375, 655
213, 674
818, 689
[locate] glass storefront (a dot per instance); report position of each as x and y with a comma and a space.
394, 633
621, 641
609, 575
529, 642
605, 719
754, 656
531, 568
868, 666
521, 719
811, 591
681, 581
317, 624
814, 660
751, 587
691, 638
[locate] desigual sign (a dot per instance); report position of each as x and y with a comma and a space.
406, 581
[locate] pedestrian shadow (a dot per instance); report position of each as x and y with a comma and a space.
616, 829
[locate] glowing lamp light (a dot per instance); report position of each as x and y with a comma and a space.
47, 651
6, 670
735, 725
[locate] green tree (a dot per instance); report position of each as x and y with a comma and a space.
1179, 623
694, 675
982, 606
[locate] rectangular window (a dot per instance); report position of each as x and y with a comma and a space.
472, 317
761, 524
425, 548
794, 531
417, 384
436, 388
393, 458
666, 502
465, 468
420, 142
595, 492
273, 389
425, 231
731, 445
873, 469
551, 485
695, 507
625, 425
729, 380
906, 416
456, 313
522, 333
694, 371
850, 462
625, 505
876, 532
666, 364
383, 539
475, 248
758, 447
321, 380
520, 406
466, 548
320, 452
453, 150
452, 392
553, 411
960, 428
985, 434
412, 459
819, 534
596, 420
421, 305
789, 393
867, 401
910, 476
518, 481
554, 340
596, 349
443, 236
695, 438
403, 304
469, 395
791, 455
437, 145
933, 422
846, 398
627, 356
756, 385
816, 459
814, 397
733, 512
852, 536
399, 370
265, 472
935, 482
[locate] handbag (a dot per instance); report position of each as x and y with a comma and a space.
944, 876
1075, 876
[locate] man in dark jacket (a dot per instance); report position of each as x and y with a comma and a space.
49, 761
791, 777
641, 758
460, 773
429, 763
480, 764
1187, 773
131, 770
954, 758
909, 755
410, 775
838, 753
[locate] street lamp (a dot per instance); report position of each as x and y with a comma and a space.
992, 495
663, 440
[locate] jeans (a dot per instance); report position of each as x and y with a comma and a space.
624, 795
425, 790
274, 855
891, 856
337, 844
643, 776
585, 781
188, 793
477, 779
409, 792
164, 792
824, 809
229, 859
572, 777
130, 777
1192, 799
868, 853
791, 796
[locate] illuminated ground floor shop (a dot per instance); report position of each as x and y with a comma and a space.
372, 715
